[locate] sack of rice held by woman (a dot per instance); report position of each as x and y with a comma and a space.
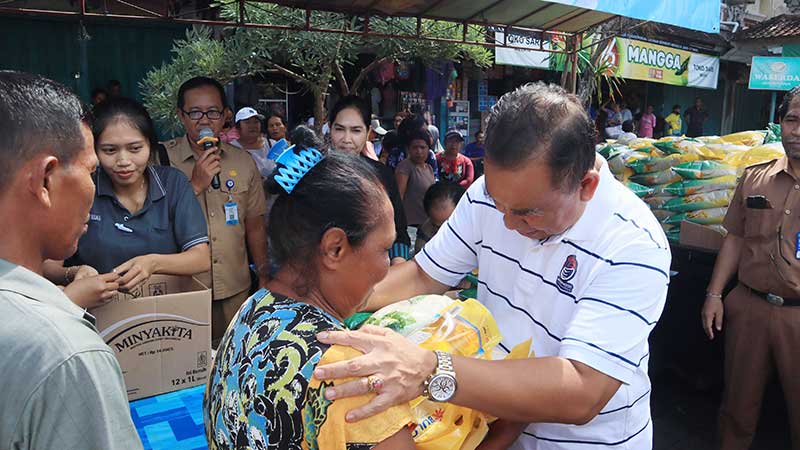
650, 179
638, 189
713, 216
659, 163
751, 138
755, 155
689, 187
436, 322
657, 201
703, 200
701, 170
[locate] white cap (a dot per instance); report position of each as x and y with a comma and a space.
377, 128
246, 113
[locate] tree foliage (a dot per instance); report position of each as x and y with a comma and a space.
315, 59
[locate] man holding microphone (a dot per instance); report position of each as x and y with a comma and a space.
229, 189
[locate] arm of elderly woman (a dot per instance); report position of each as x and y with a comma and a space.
560, 390
402, 282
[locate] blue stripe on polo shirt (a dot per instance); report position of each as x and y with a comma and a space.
522, 310
610, 353
479, 202
528, 271
590, 299
566, 294
632, 222
461, 239
622, 408
425, 252
614, 263
575, 441
549, 333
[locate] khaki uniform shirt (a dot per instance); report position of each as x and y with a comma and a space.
229, 273
62, 385
769, 259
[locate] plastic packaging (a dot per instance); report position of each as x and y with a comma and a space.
689, 187
751, 138
703, 200
713, 216
657, 164
466, 328
638, 189
649, 179
701, 170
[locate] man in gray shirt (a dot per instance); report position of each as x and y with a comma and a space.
62, 386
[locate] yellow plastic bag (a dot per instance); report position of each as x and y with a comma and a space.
751, 138
755, 155
467, 328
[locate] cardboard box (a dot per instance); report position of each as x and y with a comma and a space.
161, 334
699, 237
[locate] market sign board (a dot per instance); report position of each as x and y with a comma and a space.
640, 60
534, 57
774, 74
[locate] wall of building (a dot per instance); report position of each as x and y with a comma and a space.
114, 50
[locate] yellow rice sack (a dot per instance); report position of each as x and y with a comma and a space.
713, 216
703, 200
701, 170
689, 187
657, 164
751, 138
650, 179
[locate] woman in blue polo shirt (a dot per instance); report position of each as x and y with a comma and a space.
145, 219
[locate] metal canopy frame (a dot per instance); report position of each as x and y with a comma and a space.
365, 13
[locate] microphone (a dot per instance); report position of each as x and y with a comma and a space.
208, 140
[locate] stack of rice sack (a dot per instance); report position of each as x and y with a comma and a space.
688, 179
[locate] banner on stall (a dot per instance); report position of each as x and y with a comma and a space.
640, 60
534, 57
774, 74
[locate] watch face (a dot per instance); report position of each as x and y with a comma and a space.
442, 387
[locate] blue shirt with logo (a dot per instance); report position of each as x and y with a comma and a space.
171, 221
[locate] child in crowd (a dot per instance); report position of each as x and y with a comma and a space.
440, 201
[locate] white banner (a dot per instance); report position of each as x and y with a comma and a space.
517, 57
703, 71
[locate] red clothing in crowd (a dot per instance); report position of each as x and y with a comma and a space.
459, 170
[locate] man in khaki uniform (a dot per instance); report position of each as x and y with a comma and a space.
234, 212
762, 314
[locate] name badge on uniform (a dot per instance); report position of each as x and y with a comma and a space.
231, 213
797, 247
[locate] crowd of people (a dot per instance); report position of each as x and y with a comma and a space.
615, 120
567, 257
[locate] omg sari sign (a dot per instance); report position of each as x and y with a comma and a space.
640, 60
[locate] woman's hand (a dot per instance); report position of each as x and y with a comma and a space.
401, 366
85, 272
136, 271
91, 292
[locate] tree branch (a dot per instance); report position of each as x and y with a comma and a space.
366, 70
337, 72
288, 72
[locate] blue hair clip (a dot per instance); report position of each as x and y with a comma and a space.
292, 167
277, 149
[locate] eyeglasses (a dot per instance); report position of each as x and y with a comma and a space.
197, 115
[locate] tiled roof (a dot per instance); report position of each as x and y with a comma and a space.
778, 27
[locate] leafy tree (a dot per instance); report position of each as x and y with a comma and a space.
314, 59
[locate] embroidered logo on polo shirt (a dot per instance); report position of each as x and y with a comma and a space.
568, 271
94, 217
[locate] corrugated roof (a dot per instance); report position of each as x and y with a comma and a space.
534, 14
778, 27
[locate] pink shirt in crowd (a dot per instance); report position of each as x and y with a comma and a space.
646, 125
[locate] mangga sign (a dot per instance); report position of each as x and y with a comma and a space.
639, 60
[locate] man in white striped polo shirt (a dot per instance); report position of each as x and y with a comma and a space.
567, 257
